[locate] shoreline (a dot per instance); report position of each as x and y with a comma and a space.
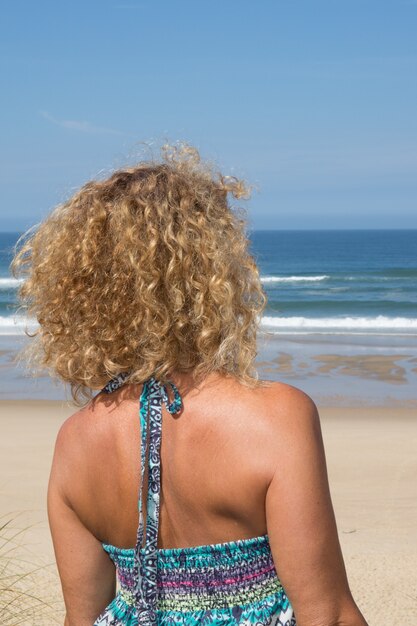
334, 370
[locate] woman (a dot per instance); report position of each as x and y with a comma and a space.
144, 288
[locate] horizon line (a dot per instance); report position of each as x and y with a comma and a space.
10, 232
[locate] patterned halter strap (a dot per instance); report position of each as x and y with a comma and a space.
152, 396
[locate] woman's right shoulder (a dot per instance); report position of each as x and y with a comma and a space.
269, 408
289, 395
282, 401
290, 415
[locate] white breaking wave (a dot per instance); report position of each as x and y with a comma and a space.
16, 325
291, 279
381, 322
6, 283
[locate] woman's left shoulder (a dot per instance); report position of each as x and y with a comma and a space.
82, 430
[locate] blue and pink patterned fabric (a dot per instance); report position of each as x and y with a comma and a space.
215, 584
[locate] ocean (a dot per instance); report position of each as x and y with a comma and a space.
348, 281
348, 289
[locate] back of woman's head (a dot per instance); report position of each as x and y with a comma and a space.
147, 272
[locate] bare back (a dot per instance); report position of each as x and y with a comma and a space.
216, 456
236, 463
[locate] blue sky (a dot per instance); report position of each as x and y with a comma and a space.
314, 102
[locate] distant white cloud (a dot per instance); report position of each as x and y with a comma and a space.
81, 126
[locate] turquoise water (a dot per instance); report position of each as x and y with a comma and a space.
339, 281
329, 282
352, 294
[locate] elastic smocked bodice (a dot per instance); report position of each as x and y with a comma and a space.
234, 576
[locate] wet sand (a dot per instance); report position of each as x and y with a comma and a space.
344, 370
354, 370
382, 367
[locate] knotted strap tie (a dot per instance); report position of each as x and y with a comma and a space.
146, 557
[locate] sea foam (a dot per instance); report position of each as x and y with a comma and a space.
348, 324
292, 279
9, 282
16, 325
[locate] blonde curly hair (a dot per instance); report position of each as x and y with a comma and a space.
146, 272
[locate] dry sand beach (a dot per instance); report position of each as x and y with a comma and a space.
372, 464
